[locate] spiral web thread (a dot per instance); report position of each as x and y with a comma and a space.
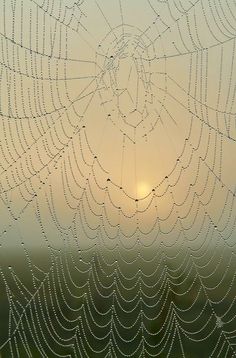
121, 276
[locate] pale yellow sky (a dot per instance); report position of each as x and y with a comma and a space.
147, 102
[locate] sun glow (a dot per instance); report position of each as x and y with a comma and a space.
143, 189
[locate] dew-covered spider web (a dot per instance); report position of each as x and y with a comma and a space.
117, 190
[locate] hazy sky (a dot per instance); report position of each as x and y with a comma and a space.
112, 102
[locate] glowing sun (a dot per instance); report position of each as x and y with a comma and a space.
143, 189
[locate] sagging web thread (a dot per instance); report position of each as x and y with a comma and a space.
123, 277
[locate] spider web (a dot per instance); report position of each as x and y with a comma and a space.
118, 205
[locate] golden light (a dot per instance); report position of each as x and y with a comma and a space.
143, 189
